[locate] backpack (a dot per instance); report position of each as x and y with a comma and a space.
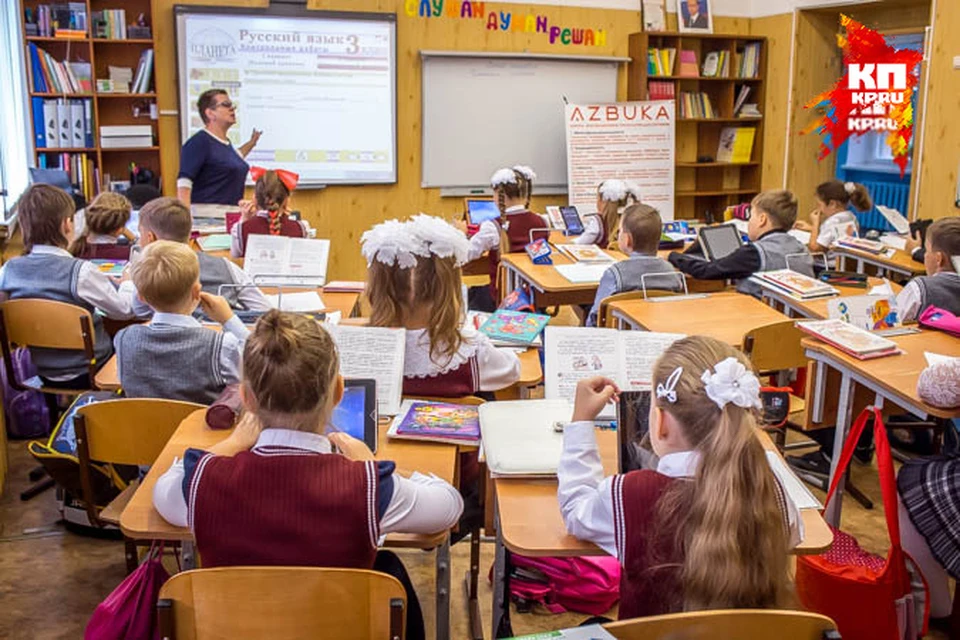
587, 584
940, 319
26, 412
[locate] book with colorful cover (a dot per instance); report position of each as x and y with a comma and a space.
476, 319
586, 253
555, 217
873, 313
850, 339
688, 64
539, 251
110, 267
796, 285
861, 244
516, 327
436, 422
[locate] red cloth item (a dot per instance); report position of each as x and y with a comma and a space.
288, 178
105, 252
867, 596
277, 506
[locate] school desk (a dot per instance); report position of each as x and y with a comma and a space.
529, 523
817, 309
891, 379
140, 521
727, 316
900, 262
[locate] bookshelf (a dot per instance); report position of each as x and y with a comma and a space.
91, 166
705, 185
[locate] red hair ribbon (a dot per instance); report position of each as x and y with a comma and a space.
288, 178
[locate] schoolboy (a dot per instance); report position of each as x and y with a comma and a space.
638, 237
175, 357
941, 286
772, 214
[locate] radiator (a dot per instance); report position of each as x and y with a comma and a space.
889, 194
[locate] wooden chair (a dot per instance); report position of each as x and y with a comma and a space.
605, 319
282, 603
124, 431
30, 322
733, 624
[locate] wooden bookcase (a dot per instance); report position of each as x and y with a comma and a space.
108, 108
705, 187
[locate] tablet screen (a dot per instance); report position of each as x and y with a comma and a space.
571, 218
720, 241
482, 210
356, 413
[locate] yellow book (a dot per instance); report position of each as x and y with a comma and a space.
743, 144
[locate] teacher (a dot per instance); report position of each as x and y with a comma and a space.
212, 171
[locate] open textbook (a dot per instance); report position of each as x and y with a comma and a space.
574, 353
279, 260
373, 352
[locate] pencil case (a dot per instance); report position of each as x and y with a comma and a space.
225, 410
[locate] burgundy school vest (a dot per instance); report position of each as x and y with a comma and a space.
105, 252
280, 506
519, 227
604, 238
260, 225
651, 555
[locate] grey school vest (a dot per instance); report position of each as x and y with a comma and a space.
941, 290
774, 249
54, 277
165, 361
214, 272
628, 274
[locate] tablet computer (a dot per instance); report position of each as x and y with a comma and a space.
357, 412
633, 427
480, 210
571, 219
719, 241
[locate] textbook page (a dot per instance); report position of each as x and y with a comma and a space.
574, 353
640, 352
298, 302
373, 352
300, 261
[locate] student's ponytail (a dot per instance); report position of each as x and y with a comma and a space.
859, 197
389, 291
846, 193
732, 516
108, 213
271, 196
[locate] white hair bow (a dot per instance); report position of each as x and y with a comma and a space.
525, 171
392, 242
440, 237
614, 190
849, 187
668, 389
503, 176
732, 382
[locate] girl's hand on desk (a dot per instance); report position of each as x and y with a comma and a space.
243, 438
592, 396
350, 446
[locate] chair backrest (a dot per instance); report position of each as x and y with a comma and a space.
604, 319
124, 431
775, 347
282, 603
740, 624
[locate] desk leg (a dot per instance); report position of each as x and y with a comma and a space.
188, 556
501, 627
443, 590
860, 266
472, 588
844, 407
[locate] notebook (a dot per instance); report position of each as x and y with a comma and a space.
373, 353
297, 302
582, 272
279, 260
796, 285
436, 422
346, 286
574, 353
586, 253
857, 342
872, 313
516, 327
214, 242
519, 438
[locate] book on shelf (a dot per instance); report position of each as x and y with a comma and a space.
142, 78
436, 422
67, 20
110, 24
660, 61
874, 247
850, 339
661, 90
750, 110
586, 253
80, 169
716, 64
48, 75
736, 144
514, 327
741, 98
688, 64
750, 61
696, 105
796, 285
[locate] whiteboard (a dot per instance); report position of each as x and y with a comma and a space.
320, 85
482, 113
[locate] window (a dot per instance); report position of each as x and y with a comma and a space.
16, 133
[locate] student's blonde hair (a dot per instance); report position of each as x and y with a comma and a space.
644, 226
290, 369
779, 204
734, 529
434, 283
167, 218
165, 273
610, 212
108, 213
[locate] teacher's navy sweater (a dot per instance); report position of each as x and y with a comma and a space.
215, 167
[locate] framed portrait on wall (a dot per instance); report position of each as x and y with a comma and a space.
695, 16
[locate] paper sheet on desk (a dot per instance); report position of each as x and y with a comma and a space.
300, 301
882, 289
797, 491
897, 242
936, 358
581, 272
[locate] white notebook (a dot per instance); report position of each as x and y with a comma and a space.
279, 260
519, 438
296, 301
373, 352
582, 272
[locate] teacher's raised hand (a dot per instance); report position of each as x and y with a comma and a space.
248, 146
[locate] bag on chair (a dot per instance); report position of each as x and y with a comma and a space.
26, 412
130, 610
588, 584
941, 320
869, 597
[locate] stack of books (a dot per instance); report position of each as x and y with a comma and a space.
586, 253
857, 342
861, 244
796, 285
79, 166
696, 105
660, 61
661, 90
66, 20
750, 61
47, 75
110, 24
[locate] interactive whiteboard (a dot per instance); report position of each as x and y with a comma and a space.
321, 86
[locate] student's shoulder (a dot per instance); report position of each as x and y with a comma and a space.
644, 483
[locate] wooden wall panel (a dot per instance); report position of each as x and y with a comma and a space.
778, 31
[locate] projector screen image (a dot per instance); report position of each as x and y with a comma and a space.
321, 87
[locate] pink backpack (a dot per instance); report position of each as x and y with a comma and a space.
589, 584
941, 319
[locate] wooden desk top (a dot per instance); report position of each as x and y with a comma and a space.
900, 261
531, 523
544, 277
141, 521
726, 316
897, 375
